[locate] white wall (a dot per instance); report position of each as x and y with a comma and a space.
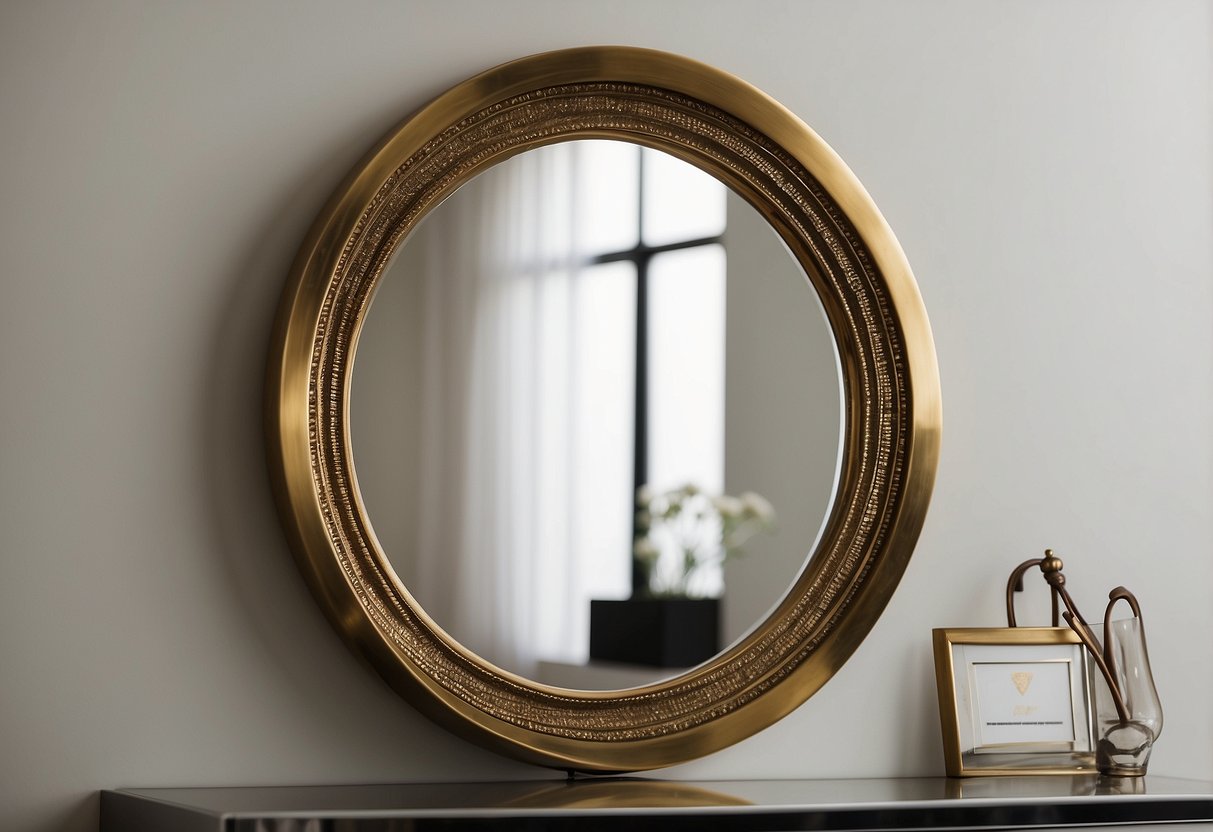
1046, 165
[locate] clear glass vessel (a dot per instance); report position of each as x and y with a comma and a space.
1123, 745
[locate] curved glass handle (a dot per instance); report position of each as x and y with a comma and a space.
1128, 659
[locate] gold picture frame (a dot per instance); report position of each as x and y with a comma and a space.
1014, 701
892, 422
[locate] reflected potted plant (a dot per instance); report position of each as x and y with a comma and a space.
684, 537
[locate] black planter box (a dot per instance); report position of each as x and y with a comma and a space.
663, 632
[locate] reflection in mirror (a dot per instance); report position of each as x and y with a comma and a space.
573, 323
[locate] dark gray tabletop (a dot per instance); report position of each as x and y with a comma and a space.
651, 803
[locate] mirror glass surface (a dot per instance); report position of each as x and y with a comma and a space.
558, 312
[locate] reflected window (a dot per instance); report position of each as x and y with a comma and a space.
671, 234
631, 356
647, 351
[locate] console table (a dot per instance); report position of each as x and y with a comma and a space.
641, 804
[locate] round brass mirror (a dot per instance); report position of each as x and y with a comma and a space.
890, 407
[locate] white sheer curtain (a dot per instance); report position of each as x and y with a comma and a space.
526, 435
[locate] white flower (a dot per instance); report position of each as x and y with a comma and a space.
728, 507
685, 530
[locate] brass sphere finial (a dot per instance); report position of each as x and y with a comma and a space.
1051, 566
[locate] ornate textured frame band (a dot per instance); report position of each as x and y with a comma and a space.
891, 394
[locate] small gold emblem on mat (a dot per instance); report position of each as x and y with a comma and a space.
1022, 681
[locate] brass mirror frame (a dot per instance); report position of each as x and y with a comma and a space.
890, 445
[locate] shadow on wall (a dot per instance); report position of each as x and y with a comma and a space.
328, 692
270, 591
